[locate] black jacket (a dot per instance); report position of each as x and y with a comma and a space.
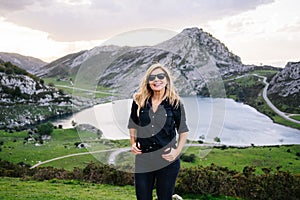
156, 130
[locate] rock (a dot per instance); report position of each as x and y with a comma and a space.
287, 81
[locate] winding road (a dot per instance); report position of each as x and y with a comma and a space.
271, 105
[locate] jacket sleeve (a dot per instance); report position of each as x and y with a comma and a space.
180, 119
133, 121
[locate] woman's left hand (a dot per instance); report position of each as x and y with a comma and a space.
172, 155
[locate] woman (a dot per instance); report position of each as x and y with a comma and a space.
156, 116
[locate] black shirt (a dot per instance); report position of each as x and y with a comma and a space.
156, 130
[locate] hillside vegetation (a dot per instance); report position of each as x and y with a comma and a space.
25, 100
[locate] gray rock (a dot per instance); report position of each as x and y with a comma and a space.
286, 82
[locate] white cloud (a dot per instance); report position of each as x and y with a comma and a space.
69, 20
269, 35
35, 43
258, 31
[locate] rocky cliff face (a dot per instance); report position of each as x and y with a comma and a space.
284, 88
195, 59
286, 82
30, 64
25, 101
24, 89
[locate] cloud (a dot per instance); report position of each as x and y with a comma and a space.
9, 5
69, 20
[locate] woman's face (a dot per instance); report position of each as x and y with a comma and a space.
157, 80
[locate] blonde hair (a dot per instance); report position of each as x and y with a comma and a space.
145, 92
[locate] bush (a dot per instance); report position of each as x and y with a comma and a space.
221, 181
45, 129
211, 180
104, 174
188, 158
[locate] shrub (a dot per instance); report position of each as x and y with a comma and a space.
188, 158
104, 174
221, 181
45, 129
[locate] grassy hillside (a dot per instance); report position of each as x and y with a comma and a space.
248, 89
62, 143
70, 86
260, 157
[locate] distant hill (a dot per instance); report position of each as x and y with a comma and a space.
28, 63
61, 66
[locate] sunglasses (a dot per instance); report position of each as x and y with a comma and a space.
160, 76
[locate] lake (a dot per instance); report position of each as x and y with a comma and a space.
234, 123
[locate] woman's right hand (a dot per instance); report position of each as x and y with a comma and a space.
135, 148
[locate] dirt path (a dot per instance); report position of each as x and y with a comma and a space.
70, 155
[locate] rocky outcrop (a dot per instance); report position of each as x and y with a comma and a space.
286, 82
25, 101
24, 89
284, 88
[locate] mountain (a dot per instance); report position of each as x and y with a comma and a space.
70, 64
284, 87
60, 66
28, 63
195, 57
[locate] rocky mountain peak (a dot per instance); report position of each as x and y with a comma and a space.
191, 54
195, 42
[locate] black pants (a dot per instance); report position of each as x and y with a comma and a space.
165, 178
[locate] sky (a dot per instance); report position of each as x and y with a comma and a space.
259, 31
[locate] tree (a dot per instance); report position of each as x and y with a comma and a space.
217, 139
45, 129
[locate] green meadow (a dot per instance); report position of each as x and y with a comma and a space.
15, 188
63, 143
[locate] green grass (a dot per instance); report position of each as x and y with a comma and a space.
263, 107
266, 73
237, 159
95, 91
296, 117
14, 188
278, 119
247, 81
62, 143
